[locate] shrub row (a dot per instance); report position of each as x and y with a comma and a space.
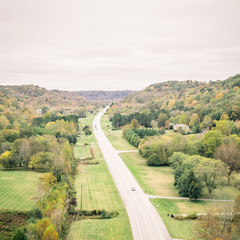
102, 214
146, 132
132, 137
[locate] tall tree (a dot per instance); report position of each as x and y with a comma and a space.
162, 118
7, 161
189, 185
194, 120
42, 160
21, 151
211, 172
230, 154
210, 141
134, 124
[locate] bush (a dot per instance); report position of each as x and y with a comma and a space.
102, 214
108, 215
20, 235
154, 160
36, 213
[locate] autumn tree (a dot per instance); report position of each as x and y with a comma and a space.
3, 122
41, 227
50, 234
134, 124
224, 116
229, 153
220, 222
219, 96
42, 160
57, 217
7, 161
216, 224
162, 118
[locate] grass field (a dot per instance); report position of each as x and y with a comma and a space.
115, 137
99, 192
18, 189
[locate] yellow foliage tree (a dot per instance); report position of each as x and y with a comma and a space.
171, 104
42, 225
3, 122
219, 96
48, 180
134, 124
224, 117
50, 234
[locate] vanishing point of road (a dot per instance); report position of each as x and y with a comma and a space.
145, 222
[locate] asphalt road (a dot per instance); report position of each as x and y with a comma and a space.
145, 222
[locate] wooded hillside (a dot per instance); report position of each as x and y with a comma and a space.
185, 102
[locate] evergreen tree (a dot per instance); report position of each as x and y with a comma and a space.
194, 188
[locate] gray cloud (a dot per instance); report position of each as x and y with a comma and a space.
109, 44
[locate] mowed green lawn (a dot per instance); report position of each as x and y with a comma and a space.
18, 189
99, 192
155, 180
115, 136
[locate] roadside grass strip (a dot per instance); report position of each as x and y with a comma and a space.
182, 229
18, 189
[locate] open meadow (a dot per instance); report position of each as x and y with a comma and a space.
98, 192
18, 189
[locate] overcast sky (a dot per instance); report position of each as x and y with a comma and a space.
117, 44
